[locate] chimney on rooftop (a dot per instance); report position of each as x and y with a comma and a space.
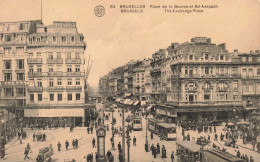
209, 41
223, 45
236, 50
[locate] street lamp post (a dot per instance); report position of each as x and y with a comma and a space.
123, 133
113, 129
146, 129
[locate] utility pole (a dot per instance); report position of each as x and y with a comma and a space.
123, 133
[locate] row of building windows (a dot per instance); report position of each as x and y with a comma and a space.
218, 70
9, 78
9, 92
51, 68
51, 97
59, 82
55, 39
206, 57
8, 64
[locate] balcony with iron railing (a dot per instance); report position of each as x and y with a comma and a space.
58, 42
73, 73
7, 71
34, 60
55, 88
73, 88
20, 70
34, 74
54, 61
205, 103
249, 93
35, 89
13, 42
55, 73
73, 61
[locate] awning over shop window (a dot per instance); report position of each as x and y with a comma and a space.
136, 102
148, 108
53, 112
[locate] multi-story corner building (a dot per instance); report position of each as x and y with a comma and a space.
13, 71
103, 86
204, 84
43, 68
13, 59
56, 71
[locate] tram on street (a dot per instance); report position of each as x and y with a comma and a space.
137, 124
152, 124
167, 131
188, 151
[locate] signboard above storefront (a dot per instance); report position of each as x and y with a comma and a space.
53, 112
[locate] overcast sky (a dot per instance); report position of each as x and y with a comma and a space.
115, 38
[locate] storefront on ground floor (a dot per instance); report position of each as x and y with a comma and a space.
54, 117
172, 114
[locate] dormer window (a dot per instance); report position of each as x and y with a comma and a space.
191, 57
243, 59
221, 57
206, 56
250, 59
54, 39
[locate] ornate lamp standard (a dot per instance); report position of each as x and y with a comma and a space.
113, 129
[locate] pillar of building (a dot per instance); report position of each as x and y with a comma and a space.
83, 121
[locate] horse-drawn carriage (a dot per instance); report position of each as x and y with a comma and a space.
45, 154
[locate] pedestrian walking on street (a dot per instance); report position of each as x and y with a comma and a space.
21, 140
28, 147
216, 137
26, 152
33, 137
19, 135
91, 129
59, 146
134, 141
93, 143
172, 156
88, 130
151, 135
119, 146
111, 158
164, 152
76, 143
215, 129
188, 137
158, 148
73, 143
67, 144
251, 159
44, 137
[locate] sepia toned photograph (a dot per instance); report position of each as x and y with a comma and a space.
130, 80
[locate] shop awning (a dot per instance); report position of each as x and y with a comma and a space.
148, 108
54, 112
136, 102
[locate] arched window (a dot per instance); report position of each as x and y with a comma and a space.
191, 86
207, 86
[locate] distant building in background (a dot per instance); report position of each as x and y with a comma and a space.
196, 80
